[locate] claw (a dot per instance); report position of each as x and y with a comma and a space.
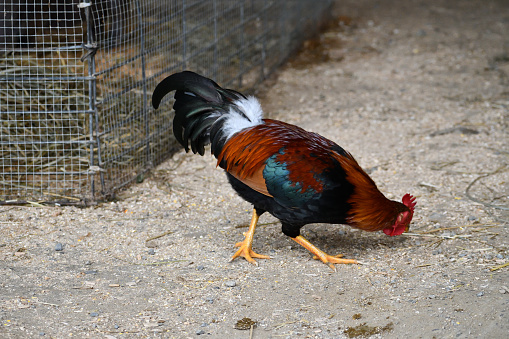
245, 249
247, 253
329, 260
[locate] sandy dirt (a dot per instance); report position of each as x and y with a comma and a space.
418, 91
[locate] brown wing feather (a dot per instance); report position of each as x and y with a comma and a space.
245, 153
255, 181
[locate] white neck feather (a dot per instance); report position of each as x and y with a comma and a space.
236, 122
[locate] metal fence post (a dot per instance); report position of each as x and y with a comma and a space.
91, 48
215, 64
264, 41
184, 64
283, 36
144, 81
242, 43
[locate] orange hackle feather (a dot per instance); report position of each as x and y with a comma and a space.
370, 209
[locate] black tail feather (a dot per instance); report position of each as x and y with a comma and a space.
187, 81
199, 105
215, 137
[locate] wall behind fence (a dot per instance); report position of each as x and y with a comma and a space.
76, 80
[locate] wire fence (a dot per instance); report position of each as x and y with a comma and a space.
76, 78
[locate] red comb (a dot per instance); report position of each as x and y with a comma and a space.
409, 201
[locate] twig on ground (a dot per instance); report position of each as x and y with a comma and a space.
278, 326
33, 203
469, 196
494, 268
159, 236
263, 224
436, 243
437, 235
43, 303
149, 264
423, 265
160, 263
454, 227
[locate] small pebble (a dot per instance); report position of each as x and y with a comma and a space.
210, 300
471, 218
151, 251
199, 332
421, 33
230, 283
204, 325
42, 333
500, 256
94, 314
480, 294
59, 247
91, 272
200, 268
117, 327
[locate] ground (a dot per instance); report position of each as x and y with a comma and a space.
418, 92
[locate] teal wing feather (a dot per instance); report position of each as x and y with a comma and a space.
285, 191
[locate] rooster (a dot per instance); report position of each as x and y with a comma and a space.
297, 176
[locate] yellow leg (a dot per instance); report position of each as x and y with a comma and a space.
324, 257
245, 249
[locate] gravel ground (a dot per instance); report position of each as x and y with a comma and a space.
418, 92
